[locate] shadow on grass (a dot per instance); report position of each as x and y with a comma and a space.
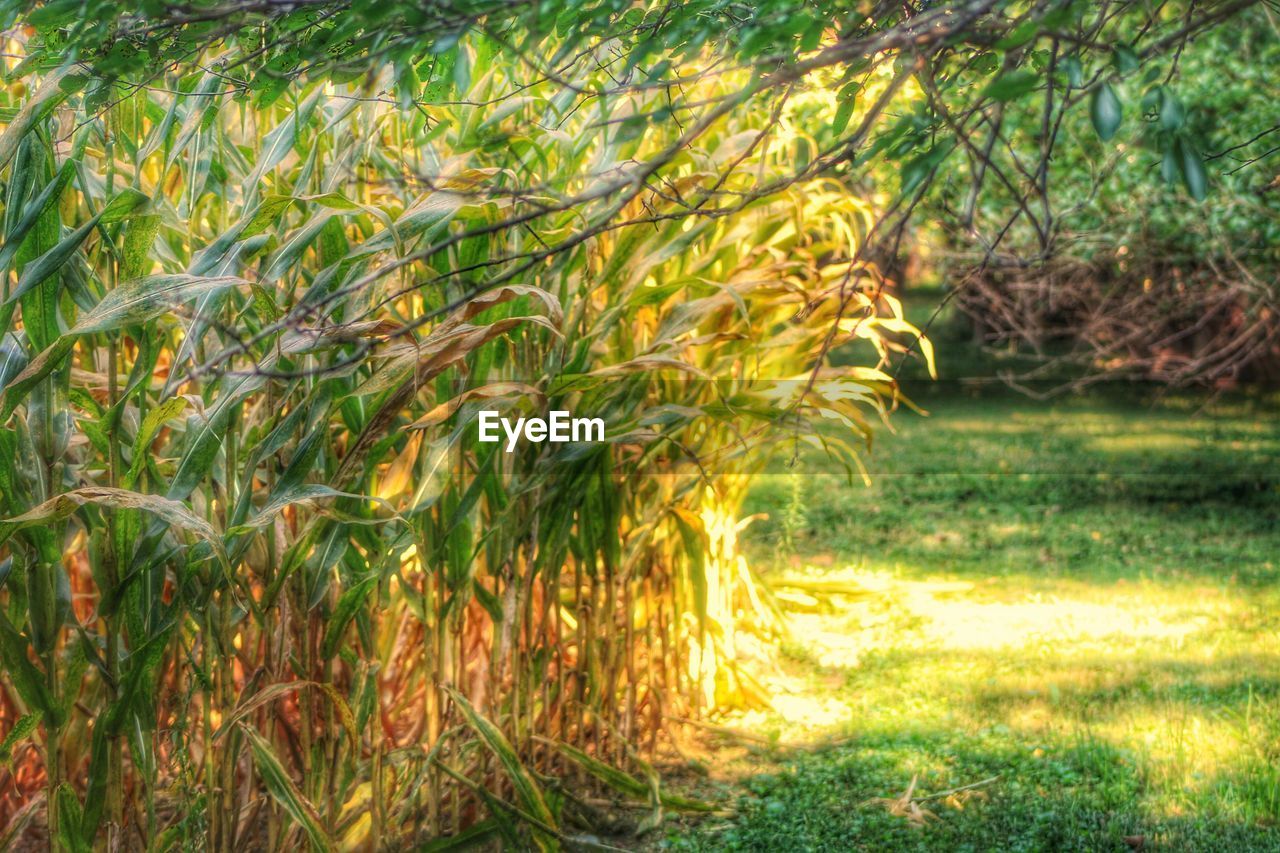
1084, 693
1005, 486
1054, 794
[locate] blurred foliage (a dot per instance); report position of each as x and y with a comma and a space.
1215, 110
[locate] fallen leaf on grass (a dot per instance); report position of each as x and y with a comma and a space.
906, 806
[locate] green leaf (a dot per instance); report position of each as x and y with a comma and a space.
122, 205
284, 791
135, 253
277, 144
625, 783
527, 791
151, 424
204, 436
842, 114
65, 504
31, 214
40, 269
917, 170
48, 597
1075, 72
22, 673
53, 260
1193, 172
267, 214
49, 95
95, 794
1172, 116
147, 298
21, 729
472, 838
1105, 111
132, 302
694, 537
281, 499
134, 707
332, 549
248, 704
264, 304
1012, 85
434, 211
1171, 163
69, 816
1124, 59
1020, 35
348, 603
37, 369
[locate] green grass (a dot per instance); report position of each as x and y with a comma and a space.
1078, 599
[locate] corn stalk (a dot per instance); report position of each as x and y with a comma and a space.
263, 584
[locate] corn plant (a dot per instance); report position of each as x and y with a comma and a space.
262, 583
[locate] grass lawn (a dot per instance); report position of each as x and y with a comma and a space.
1072, 607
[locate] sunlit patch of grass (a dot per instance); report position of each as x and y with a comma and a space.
1106, 643
1146, 442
